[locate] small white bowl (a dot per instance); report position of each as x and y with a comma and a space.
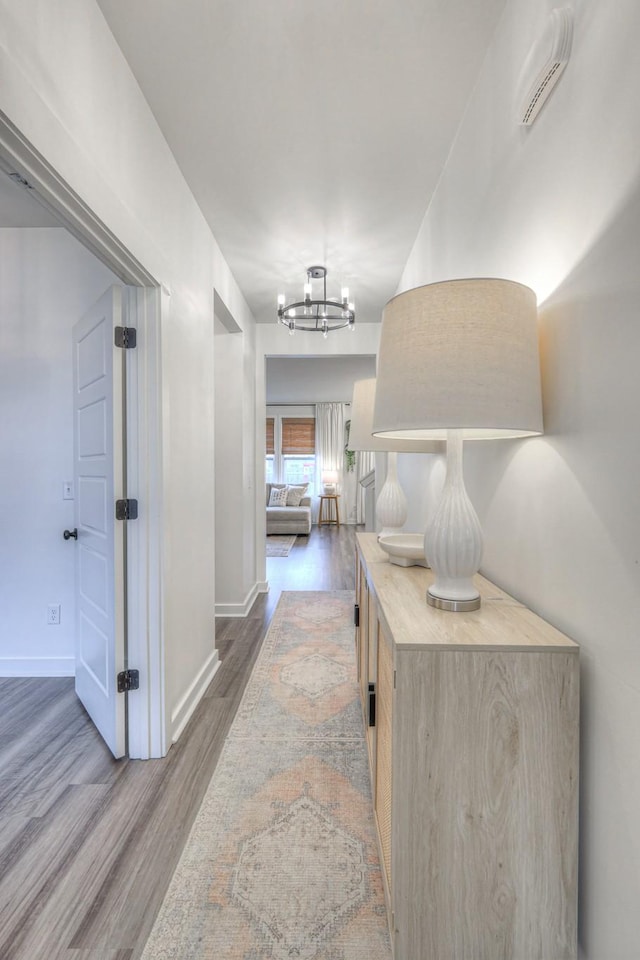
405, 549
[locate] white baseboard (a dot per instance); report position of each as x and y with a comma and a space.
181, 714
37, 666
242, 609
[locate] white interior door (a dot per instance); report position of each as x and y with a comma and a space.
99, 481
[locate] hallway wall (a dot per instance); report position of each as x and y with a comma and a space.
316, 380
69, 91
557, 206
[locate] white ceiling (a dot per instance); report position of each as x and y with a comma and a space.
309, 132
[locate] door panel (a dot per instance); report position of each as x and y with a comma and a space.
99, 481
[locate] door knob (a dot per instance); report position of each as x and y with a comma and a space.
71, 534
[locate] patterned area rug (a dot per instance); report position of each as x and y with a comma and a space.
282, 862
279, 545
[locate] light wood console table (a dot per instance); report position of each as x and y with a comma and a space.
473, 749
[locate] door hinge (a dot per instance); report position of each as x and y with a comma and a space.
356, 615
394, 679
128, 680
125, 337
126, 509
20, 180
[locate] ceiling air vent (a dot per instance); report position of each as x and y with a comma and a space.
546, 61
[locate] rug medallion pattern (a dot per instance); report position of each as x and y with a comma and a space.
282, 861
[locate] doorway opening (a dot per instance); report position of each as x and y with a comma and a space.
59, 258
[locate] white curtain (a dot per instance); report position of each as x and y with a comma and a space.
330, 447
329, 439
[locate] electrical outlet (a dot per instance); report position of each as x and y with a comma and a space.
53, 614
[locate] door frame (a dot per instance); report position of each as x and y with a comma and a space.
145, 301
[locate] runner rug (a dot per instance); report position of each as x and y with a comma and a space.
282, 861
279, 545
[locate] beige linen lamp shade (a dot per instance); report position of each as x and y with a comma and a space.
361, 429
461, 354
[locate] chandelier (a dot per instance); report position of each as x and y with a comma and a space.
314, 315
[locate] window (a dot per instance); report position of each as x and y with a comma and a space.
290, 450
298, 445
270, 452
299, 470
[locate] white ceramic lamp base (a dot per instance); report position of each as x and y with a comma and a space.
391, 505
453, 541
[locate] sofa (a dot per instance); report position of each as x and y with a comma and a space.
289, 517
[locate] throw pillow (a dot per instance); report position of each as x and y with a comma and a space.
278, 497
295, 495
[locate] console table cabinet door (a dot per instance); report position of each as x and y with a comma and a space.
383, 776
362, 600
484, 831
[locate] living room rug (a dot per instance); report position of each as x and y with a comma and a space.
279, 545
282, 860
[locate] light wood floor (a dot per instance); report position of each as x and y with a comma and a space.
88, 844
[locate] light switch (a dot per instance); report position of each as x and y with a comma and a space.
67, 490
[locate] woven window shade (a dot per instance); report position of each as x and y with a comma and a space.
298, 435
270, 436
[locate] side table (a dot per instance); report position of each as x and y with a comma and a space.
329, 498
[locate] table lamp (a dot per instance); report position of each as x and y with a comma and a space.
391, 504
458, 360
329, 482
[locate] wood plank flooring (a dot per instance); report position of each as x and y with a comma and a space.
88, 844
